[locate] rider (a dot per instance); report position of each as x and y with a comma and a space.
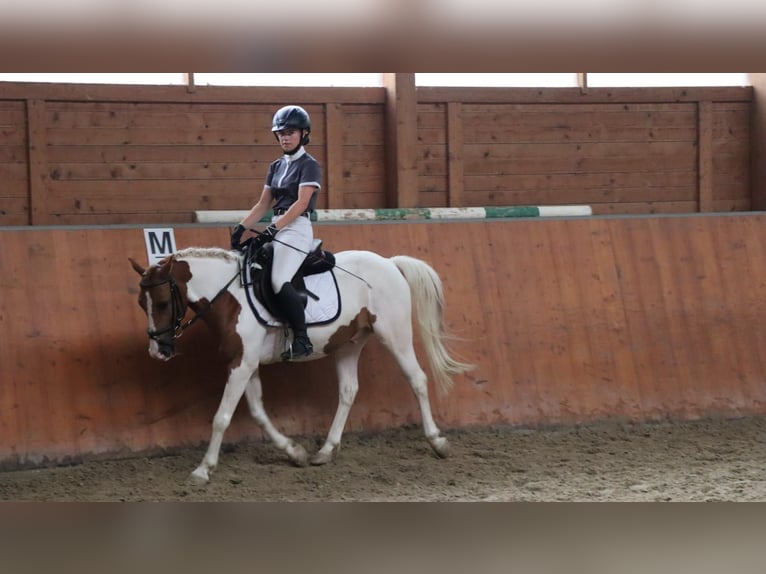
292, 184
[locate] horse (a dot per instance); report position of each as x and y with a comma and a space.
377, 296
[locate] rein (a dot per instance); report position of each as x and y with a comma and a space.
178, 326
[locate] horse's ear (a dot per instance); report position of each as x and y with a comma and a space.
166, 265
140, 270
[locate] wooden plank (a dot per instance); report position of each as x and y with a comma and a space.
680, 160
758, 142
74, 153
401, 139
483, 134
363, 127
146, 191
157, 171
14, 211
202, 94
162, 135
75, 116
13, 135
644, 208
705, 161
429, 94
38, 163
582, 196
11, 108
636, 111
568, 182
368, 200
502, 150
731, 124
432, 198
14, 168
429, 183
136, 216
334, 118
13, 154
455, 171
172, 116
732, 205
11, 174
603, 158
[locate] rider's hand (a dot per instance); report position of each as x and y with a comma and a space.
265, 236
236, 237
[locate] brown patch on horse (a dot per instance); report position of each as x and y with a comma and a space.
222, 319
180, 271
362, 323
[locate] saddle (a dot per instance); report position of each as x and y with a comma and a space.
256, 277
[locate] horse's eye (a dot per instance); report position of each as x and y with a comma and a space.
162, 306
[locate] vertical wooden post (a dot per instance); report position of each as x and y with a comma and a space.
758, 143
37, 143
455, 169
401, 140
334, 147
705, 151
191, 87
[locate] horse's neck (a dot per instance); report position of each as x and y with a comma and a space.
209, 276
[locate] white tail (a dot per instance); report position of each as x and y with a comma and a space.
428, 296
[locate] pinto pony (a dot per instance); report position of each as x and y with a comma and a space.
377, 295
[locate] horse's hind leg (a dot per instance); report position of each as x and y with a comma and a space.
235, 386
346, 364
254, 396
402, 349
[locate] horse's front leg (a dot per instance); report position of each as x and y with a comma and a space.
254, 396
235, 386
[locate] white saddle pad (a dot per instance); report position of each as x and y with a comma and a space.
324, 309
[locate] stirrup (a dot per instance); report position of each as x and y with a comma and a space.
300, 347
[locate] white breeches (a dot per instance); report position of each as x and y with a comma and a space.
299, 235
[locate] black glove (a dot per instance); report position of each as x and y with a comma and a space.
265, 236
236, 237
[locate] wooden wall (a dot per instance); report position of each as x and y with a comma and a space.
127, 154
619, 150
639, 318
90, 154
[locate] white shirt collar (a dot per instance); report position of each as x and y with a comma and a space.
296, 155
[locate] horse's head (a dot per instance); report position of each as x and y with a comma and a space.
163, 298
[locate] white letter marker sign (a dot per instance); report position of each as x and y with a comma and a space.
159, 244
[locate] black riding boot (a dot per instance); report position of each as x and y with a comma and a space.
291, 305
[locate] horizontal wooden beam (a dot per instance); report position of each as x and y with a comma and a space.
429, 94
181, 93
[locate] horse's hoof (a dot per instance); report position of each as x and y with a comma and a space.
298, 455
199, 477
441, 446
323, 457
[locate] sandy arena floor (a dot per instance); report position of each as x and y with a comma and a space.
721, 460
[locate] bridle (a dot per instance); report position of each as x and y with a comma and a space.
178, 326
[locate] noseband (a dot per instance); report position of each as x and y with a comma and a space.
179, 308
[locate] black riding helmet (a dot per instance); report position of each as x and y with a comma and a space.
292, 117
